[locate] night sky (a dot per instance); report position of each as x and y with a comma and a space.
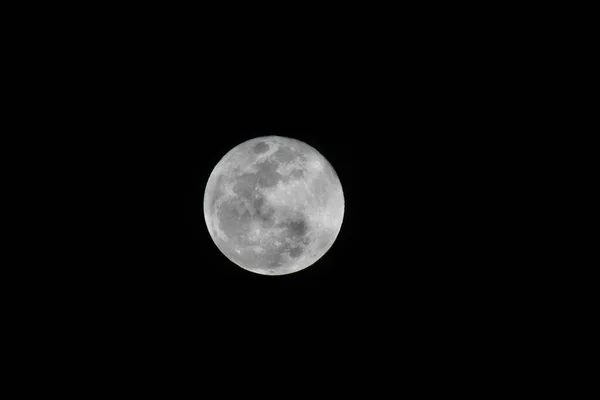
408, 127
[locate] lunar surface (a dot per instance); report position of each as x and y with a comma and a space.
273, 205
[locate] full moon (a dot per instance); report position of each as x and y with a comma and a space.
273, 205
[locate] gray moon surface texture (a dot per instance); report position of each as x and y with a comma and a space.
273, 205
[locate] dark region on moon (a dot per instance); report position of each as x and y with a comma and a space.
296, 228
235, 215
267, 176
285, 154
295, 252
263, 212
261, 147
232, 212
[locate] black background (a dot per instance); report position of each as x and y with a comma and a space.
409, 261
409, 116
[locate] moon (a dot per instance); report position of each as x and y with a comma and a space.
273, 205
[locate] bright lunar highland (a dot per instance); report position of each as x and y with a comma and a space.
273, 205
